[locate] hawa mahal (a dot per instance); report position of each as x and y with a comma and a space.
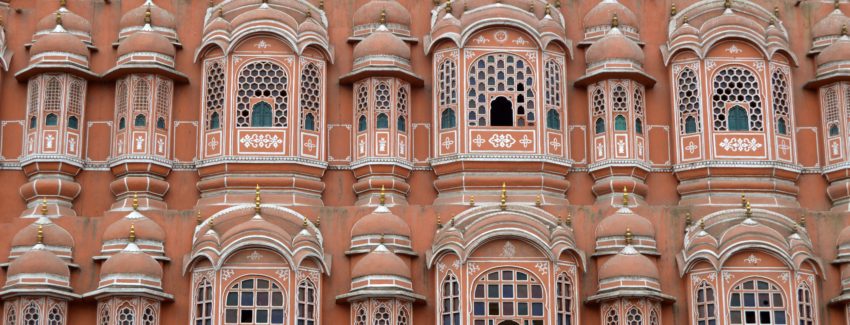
447, 162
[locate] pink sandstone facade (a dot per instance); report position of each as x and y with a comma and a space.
398, 162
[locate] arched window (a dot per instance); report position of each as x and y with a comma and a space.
254, 300
447, 85
160, 123
148, 318
402, 124
552, 80
121, 102
31, 315
268, 81
214, 93
75, 97
600, 126
737, 85
612, 318
33, 122
757, 302
306, 310
447, 119
833, 130
261, 115
510, 78
638, 126
361, 123
203, 303
361, 317
705, 305
781, 126
122, 123
11, 316
599, 110
34, 97
653, 318
687, 85
805, 305
53, 95
73, 123
163, 102
781, 102
619, 100
141, 96
634, 317
104, 315
553, 119
564, 297
54, 316
507, 293
381, 315
450, 310
620, 123
738, 119
126, 316
51, 120
311, 95
830, 102
403, 317
140, 120
382, 121
402, 103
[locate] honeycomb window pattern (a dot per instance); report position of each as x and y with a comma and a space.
781, 103
502, 74
598, 102
311, 94
611, 318
619, 100
739, 86
687, 85
262, 79
653, 318
361, 317
148, 317
634, 317
163, 99
75, 97
447, 77
52, 95
402, 104
31, 315
141, 96
214, 92
403, 317
362, 106
121, 101
382, 315
33, 97
54, 317
831, 111
126, 316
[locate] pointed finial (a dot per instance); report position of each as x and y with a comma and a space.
557, 3
59, 18
448, 6
132, 238
198, 218
148, 15
531, 6
63, 3
308, 13
472, 200
321, 4
743, 200
383, 19
673, 10
318, 221
615, 21
503, 200
382, 198
749, 212
439, 222
548, 9
771, 22
629, 236
44, 206
212, 223
135, 201
836, 5
727, 4
452, 222
39, 237
257, 199
685, 19
221, 12
802, 221
776, 11
2, 23
625, 196
304, 225
844, 30
569, 219
538, 201
688, 220
702, 224
382, 238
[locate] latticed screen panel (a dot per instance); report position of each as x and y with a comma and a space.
687, 86
310, 96
738, 86
508, 294
214, 94
781, 102
265, 80
500, 75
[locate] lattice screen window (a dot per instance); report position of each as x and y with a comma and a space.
381, 315
689, 107
612, 318
311, 96
214, 94
104, 315
55, 316
361, 318
831, 112
781, 103
306, 309
33, 102
634, 317
382, 105
126, 316
148, 317
362, 107
736, 86
203, 303
653, 318
163, 103
121, 104
141, 102
553, 94
504, 294
638, 104
53, 95
32, 315
254, 300
757, 302
619, 100
805, 305
403, 317
267, 80
447, 85
450, 310
706, 313
497, 78
402, 103
599, 110
564, 299
11, 316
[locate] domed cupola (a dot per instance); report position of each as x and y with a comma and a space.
629, 274
384, 54
151, 17
55, 239
68, 21
597, 22
833, 61
60, 48
38, 272
828, 29
376, 13
146, 49
609, 232
130, 273
381, 227
381, 273
615, 55
148, 235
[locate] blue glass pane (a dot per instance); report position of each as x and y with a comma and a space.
507, 291
262, 316
479, 308
277, 316
537, 309
232, 298
247, 299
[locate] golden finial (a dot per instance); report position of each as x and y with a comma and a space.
503, 200
749, 212
382, 238
2, 23
685, 19
557, 3
743, 200
148, 15
212, 223
59, 18
321, 4
776, 11
625, 196
132, 238
318, 221
265, 1
304, 225
135, 200
688, 220
629, 236
448, 6
548, 9
257, 199
439, 222
383, 19
382, 198
836, 4
673, 10
844, 30
569, 219
221, 12
771, 22
538, 201
472, 200
531, 6
308, 13
198, 218
727, 4
44, 206
802, 221
63, 3
702, 224
615, 21
452, 222
39, 237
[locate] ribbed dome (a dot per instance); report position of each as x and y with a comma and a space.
380, 222
53, 235
38, 261
256, 224
146, 41
381, 261
830, 25
685, 29
838, 51
614, 46
749, 231
628, 263
264, 14
131, 261
311, 26
70, 21
731, 18
384, 43
603, 12
159, 17
61, 42
371, 12
623, 220
217, 24
145, 228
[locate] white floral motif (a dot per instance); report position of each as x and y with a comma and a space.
542, 267
734, 49
456, 264
263, 45
283, 274
784, 276
758, 65
501, 36
525, 141
710, 64
481, 40
266, 141
255, 256
727, 276
213, 143
226, 274
502, 140
478, 141
472, 268
509, 250
441, 267
520, 41
752, 259
738, 144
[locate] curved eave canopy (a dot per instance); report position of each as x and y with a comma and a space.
363, 294
29, 291
157, 69
638, 76
630, 293
128, 291
33, 70
388, 71
823, 80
